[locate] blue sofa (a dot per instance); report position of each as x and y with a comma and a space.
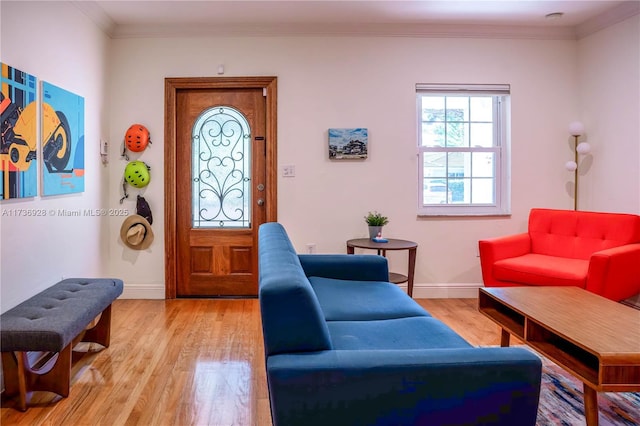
345, 347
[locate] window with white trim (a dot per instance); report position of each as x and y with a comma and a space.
463, 149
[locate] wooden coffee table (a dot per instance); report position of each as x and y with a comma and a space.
593, 338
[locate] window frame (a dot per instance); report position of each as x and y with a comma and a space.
501, 148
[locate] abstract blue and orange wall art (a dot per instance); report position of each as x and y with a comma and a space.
18, 145
62, 141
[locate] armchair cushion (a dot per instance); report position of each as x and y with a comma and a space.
578, 234
539, 269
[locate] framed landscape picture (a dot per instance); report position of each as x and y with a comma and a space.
348, 144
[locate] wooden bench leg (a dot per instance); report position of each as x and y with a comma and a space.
101, 332
25, 372
36, 371
14, 377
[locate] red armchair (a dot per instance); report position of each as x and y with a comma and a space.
599, 252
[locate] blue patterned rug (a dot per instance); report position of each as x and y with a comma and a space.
561, 402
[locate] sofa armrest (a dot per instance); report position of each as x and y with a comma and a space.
494, 249
615, 273
490, 386
358, 267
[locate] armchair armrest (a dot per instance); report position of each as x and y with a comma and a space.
490, 386
359, 267
494, 249
505, 247
615, 273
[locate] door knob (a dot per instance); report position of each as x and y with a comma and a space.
260, 202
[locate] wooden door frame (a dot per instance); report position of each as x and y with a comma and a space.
171, 86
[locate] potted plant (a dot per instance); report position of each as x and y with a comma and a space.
375, 221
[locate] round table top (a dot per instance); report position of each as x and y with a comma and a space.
393, 244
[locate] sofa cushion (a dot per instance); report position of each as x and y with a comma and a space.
538, 269
346, 300
400, 333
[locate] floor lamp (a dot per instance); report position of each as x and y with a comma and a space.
576, 129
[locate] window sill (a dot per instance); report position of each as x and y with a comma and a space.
472, 215
463, 211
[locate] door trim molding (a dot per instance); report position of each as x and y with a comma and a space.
171, 86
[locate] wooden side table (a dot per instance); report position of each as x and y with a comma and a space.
393, 244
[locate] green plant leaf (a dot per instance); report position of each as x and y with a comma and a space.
376, 219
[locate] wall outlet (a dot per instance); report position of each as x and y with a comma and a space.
311, 248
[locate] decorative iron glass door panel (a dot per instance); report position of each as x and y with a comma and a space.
221, 150
220, 173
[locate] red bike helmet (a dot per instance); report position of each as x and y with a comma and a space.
137, 138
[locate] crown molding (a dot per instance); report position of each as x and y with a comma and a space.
340, 30
611, 17
617, 14
97, 15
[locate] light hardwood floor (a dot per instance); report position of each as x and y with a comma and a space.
189, 362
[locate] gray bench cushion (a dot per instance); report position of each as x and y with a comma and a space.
50, 320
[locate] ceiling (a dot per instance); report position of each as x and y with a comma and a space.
504, 18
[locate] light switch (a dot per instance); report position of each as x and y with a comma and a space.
289, 171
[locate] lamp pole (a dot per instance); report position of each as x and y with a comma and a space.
575, 173
576, 129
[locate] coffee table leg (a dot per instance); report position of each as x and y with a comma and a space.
590, 406
504, 338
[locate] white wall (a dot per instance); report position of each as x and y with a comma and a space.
58, 44
328, 82
609, 78
323, 82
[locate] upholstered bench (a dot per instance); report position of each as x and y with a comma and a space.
37, 336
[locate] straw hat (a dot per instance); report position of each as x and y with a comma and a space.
136, 232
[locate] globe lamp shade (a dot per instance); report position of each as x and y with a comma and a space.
583, 148
571, 166
576, 128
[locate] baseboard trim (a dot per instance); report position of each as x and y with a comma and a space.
143, 291
420, 291
444, 290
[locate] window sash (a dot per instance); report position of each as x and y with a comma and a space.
497, 174
500, 149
